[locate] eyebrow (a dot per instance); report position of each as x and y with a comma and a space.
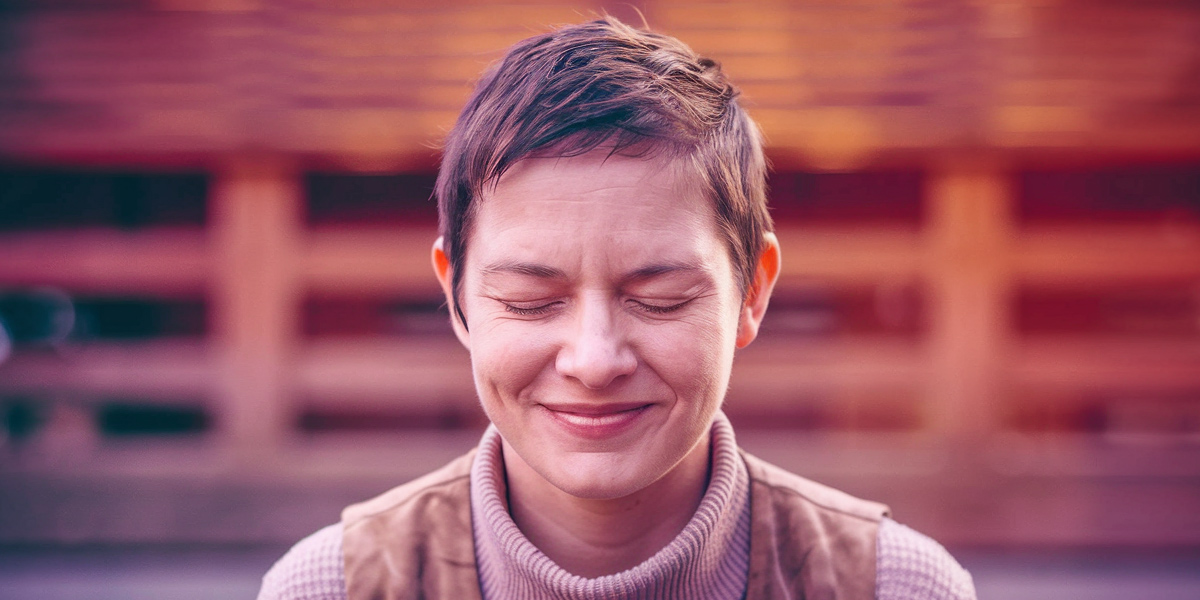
523, 268
548, 272
654, 270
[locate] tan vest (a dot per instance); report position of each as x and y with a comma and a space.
806, 540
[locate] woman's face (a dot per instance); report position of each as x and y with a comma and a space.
603, 314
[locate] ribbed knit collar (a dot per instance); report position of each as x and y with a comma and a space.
709, 559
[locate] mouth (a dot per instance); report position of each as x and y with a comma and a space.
596, 421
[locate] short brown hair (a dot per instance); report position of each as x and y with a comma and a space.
575, 89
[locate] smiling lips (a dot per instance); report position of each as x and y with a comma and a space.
597, 422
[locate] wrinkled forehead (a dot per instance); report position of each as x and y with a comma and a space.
549, 170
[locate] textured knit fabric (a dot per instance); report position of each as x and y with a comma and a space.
911, 565
709, 559
312, 569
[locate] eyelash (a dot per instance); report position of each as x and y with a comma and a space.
529, 312
660, 310
545, 308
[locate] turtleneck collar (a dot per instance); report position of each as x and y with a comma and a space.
708, 559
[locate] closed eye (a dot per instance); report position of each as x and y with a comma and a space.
660, 309
530, 311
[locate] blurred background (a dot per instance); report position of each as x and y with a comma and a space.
218, 325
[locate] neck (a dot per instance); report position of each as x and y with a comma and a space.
592, 537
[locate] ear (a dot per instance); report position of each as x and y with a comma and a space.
445, 275
765, 275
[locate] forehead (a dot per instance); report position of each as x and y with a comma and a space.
595, 191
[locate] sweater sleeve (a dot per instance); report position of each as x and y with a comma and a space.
311, 570
911, 566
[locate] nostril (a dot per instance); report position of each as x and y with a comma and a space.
596, 367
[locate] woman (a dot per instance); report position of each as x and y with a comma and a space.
605, 247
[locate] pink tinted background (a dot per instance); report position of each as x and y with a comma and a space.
221, 324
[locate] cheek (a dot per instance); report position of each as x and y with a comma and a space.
694, 357
506, 361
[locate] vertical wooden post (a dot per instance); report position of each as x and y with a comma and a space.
968, 236
256, 224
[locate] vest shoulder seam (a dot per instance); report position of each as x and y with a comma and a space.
758, 476
810, 500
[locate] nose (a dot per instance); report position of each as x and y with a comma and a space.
597, 350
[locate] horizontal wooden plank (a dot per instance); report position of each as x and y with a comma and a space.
685, 16
1078, 253
849, 253
162, 370
386, 371
157, 261
774, 371
371, 260
1107, 362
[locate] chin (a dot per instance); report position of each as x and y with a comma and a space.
599, 477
